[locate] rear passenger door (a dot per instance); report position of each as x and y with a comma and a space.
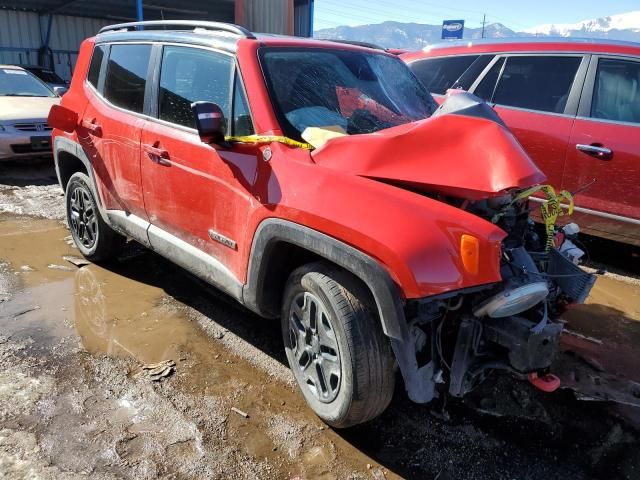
112, 122
605, 145
195, 192
537, 96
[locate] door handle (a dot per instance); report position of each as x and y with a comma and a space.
595, 150
157, 155
93, 128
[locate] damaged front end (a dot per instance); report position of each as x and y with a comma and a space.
459, 338
454, 340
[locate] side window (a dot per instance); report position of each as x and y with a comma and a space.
192, 75
537, 83
126, 76
96, 63
439, 74
487, 85
616, 93
242, 124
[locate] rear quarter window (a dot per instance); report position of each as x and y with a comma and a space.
96, 65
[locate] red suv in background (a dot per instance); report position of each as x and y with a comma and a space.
319, 183
574, 105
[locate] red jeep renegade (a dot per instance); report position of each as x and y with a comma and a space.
320, 183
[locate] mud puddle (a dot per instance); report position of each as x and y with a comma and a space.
601, 344
95, 329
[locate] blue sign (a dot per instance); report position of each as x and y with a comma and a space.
452, 29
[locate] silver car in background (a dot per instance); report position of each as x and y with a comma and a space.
25, 102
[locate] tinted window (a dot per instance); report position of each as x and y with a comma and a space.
471, 74
126, 76
358, 92
46, 75
616, 95
537, 83
439, 74
96, 64
192, 75
242, 124
486, 87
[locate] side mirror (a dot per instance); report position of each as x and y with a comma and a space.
210, 122
59, 90
62, 118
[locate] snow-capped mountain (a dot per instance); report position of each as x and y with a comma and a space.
410, 36
600, 26
413, 36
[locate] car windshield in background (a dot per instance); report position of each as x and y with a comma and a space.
46, 75
19, 83
356, 92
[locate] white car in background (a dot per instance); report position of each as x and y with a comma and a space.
25, 102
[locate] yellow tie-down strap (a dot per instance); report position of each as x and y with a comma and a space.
550, 209
261, 139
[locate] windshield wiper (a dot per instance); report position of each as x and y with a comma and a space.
22, 95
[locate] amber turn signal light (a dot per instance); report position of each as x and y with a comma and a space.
470, 253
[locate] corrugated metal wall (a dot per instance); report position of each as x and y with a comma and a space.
22, 34
67, 33
267, 16
19, 37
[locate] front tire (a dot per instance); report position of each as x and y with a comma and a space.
96, 240
335, 346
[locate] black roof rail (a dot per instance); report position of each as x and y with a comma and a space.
184, 24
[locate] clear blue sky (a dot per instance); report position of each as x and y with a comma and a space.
515, 14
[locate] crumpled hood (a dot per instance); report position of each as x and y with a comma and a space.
26, 108
452, 154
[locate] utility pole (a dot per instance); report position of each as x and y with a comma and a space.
484, 20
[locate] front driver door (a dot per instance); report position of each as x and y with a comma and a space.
198, 193
536, 96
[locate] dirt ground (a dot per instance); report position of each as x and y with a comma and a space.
76, 400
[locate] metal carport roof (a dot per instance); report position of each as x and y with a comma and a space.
221, 10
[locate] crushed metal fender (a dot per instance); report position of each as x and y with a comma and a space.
421, 155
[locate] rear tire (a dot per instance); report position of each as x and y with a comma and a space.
96, 240
335, 346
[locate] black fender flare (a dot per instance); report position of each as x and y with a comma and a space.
386, 293
66, 145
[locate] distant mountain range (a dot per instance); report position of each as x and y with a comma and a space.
414, 36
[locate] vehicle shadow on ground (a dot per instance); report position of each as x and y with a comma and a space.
147, 267
505, 430
21, 174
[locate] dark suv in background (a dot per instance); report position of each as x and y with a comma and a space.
574, 105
